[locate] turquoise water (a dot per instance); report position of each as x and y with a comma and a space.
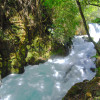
51, 80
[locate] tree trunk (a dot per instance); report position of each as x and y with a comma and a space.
85, 26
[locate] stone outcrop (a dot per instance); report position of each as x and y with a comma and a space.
86, 90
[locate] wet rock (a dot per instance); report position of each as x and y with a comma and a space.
21, 70
98, 61
86, 90
93, 69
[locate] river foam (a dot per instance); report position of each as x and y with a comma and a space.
51, 80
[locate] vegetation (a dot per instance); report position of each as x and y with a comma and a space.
24, 34
64, 20
32, 30
87, 90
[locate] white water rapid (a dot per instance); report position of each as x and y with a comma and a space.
51, 80
94, 30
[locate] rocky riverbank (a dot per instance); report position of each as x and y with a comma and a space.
86, 90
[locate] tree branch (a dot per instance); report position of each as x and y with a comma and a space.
85, 26
94, 4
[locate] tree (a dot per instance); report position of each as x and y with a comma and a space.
64, 13
93, 2
85, 25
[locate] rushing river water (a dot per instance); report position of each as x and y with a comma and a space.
51, 80
94, 30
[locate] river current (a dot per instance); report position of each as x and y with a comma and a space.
52, 80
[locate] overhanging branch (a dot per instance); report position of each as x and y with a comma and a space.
85, 26
94, 4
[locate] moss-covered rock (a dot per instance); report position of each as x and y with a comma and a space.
86, 90
27, 39
30, 57
98, 61
17, 62
98, 66
14, 63
58, 49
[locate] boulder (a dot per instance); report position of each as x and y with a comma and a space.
98, 61
86, 90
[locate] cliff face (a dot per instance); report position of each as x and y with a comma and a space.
24, 35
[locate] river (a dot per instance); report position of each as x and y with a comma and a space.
52, 80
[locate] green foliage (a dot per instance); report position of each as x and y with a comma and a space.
38, 48
64, 19
86, 2
96, 20
60, 51
48, 3
98, 72
96, 56
93, 1
91, 12
91, 9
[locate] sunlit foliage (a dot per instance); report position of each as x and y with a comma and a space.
64, 19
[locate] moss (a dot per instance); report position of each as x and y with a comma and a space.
87, 90
97, 98
60, 52
28, 42
0, 64
13, 70
16, 63
97, 65
40, 48
98, 61
31, 56
39, 60
88, 95
97, 93
0, 72
58, 49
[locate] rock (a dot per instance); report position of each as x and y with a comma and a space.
93, 69
98, 61
86, 90
21, 70
40, 60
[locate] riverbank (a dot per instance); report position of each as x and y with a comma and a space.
13, 61
29, 34
51, 80
87, 90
